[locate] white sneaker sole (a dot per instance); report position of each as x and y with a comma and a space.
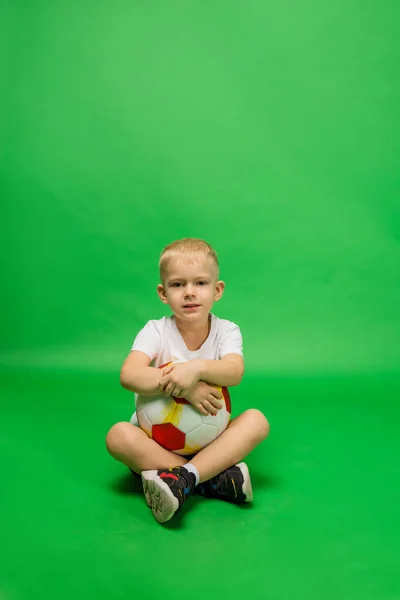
159, 496
247, 489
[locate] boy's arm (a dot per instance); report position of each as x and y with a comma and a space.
225, 372
137, 375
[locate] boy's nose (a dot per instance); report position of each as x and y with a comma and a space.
189, 291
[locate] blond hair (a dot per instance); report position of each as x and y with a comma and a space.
186, 246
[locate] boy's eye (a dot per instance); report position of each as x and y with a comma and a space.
177, 284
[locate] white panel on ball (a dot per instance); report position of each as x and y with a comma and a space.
145, 424
201, 436
190, 418
158, 409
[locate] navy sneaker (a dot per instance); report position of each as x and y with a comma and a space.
166, 490
233, 485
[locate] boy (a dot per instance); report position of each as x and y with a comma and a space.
212, 349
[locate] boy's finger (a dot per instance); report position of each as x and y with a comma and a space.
210, 408
215, 402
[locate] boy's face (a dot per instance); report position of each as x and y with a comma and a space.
190, 287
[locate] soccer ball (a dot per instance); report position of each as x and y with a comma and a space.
177, 426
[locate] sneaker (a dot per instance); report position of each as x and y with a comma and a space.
167, 490
233, 485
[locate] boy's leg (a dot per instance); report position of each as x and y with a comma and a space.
131, 446
242, 435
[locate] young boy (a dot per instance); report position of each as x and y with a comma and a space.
212, 349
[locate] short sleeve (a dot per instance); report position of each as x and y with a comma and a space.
231, 341
148, 340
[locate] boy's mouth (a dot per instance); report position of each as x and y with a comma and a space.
191, 305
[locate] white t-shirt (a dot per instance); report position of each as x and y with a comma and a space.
161, 340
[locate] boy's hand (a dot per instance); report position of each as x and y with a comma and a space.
205, 398
178, 379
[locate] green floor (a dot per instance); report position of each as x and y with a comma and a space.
324, 524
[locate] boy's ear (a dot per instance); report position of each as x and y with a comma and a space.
219, 290
161, 293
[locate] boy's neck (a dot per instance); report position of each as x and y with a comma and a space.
194, 333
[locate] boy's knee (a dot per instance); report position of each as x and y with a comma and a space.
259, 423
117, 437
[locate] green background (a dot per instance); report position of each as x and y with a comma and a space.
272, 131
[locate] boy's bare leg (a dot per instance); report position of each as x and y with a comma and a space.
243, 434
131, 446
